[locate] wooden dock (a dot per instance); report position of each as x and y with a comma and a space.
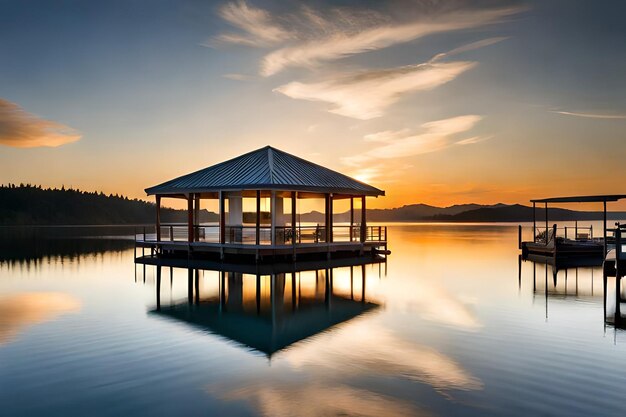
563, 248
258, 252
375, 244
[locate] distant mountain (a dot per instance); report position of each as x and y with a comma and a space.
520, 213
407, 213
33, 205
415, 212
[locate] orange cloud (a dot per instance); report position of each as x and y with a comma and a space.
21, 129
437, 135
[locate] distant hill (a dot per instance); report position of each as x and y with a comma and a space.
33, 205
408, 213
520, 213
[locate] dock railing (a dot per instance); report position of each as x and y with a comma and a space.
566, 232
284, 235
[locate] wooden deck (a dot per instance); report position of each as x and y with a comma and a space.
259, 252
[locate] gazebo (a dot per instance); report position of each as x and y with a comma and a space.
279, 182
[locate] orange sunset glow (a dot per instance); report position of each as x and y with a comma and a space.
438, 104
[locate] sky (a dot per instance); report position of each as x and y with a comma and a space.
435, 101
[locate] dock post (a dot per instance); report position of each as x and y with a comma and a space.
604, 228
519, 237
554, 253
546, 223
618, 274
158, 218
190, 286
158, 287
534, 222
197, 286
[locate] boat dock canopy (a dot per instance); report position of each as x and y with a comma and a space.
581, 199
265, 169
277, 182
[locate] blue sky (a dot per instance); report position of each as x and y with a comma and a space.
436, 102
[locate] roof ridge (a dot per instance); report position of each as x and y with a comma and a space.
270, 161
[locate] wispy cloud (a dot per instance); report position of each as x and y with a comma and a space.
473, 140
309, 37
365, 95
340, 45
21, 129
239, 77
592, 115
436, 136
469, 47
256, 26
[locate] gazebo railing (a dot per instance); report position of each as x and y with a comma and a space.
284, 235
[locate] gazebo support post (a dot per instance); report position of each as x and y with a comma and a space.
196, 216
158, 218
258, 217
351, 216
273, 214
190, 218
326, 218
222, 218
363, 220
604, 227
330, 218
294, 196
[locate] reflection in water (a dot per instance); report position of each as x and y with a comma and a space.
19, 311
32, 246
269, 312
364, 348
433, 302
578, 284
315, 399
453, 329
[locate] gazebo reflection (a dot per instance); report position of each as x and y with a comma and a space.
267, 309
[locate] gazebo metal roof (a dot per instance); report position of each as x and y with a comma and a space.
265, 169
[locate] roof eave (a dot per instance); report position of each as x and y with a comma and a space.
374, 192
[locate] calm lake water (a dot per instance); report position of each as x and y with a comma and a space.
446, 328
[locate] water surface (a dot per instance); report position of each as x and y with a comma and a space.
448, 326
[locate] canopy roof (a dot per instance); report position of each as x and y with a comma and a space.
265, 169
581, 199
